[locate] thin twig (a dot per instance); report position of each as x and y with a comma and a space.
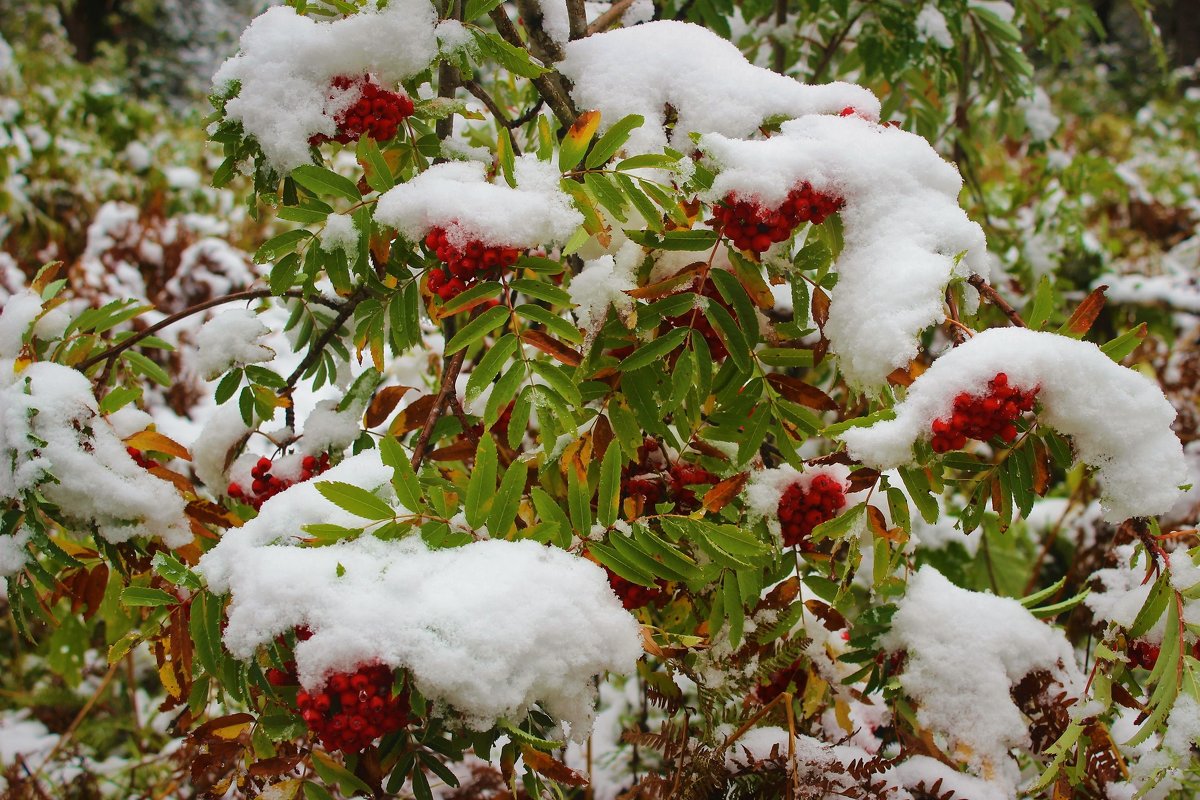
478, 91
75, 723
461, 414
955, 323
780, 48
317, 348
614, 13
833, 45
453, 366
993, 297
250, 294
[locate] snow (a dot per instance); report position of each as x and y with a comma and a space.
457, 196
1039, 116
602, 284
489, 628
13, 554
53, 438
213, 447
287, 61
555, 21
765, 487
904, 229
1123, 591
1118, 420
231, 339
328, 430
704, 78
931, 27
339, 234
965, 652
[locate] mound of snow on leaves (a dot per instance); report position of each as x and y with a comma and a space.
964, 653
457, 196
287, 61
704, 78
489, 628
53, 438
1118, 420
904, 229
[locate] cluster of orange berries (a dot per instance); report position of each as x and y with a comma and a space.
802, 509
265, 485
377, 113
464, 265
751, 227
982, 416
354, 709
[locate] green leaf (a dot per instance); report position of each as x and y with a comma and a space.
1042, 304
555, 324
355, 499
735, 615
482, 485
378, 173
175, 571
514, 59
278, 245
608, 495
477, 328
508, 498
609, 196
404, 481
654, 350
551, 513
576, 140
647, 160
489, 366
1119, 348
542, 291
731, 335
613, 139
699, 239
472, 295
504, 152
321, 181
141, 596
302, 214
579, 502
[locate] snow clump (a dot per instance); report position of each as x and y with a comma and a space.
964, 653
457, 197
488, 629
1118, 420
904, 229
53, 439
231, 339
287, 62
703, 77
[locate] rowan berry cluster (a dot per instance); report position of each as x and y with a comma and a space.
1143, 654
377, 113
801, 509
652, 481
982, 416
465, 264
751, 227
266, 485
634, 595
354, 709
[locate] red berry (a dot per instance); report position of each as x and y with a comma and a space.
983, 417
803, 509
750, 226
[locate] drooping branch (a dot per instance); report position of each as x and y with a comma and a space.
250, 294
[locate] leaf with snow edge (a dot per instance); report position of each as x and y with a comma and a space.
612, 140
355, 499
321, 181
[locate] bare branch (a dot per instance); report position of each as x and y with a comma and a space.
614, 13
551, 85
449, 376
995, 299
577, 15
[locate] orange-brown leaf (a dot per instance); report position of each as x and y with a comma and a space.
602, 436
671, 285
820, 306
1041, 468
552, 768
862, 479
1081, 321
155, 441
800, 392
719, 495
459, 451
412, 417
830, 617
383, 404
552, 347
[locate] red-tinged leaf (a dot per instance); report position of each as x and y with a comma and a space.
383, 404
800, 392
820, 307
781, 595
830, 617
459, 451
862, 479
576, 141
900, 377
412, 417
93, 589
706, 449
649, 645
552, 768
722, 493
876, 521
156, 442
552, 347
1085, 315
602, 436
210, 513
269, 767
1041, 468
